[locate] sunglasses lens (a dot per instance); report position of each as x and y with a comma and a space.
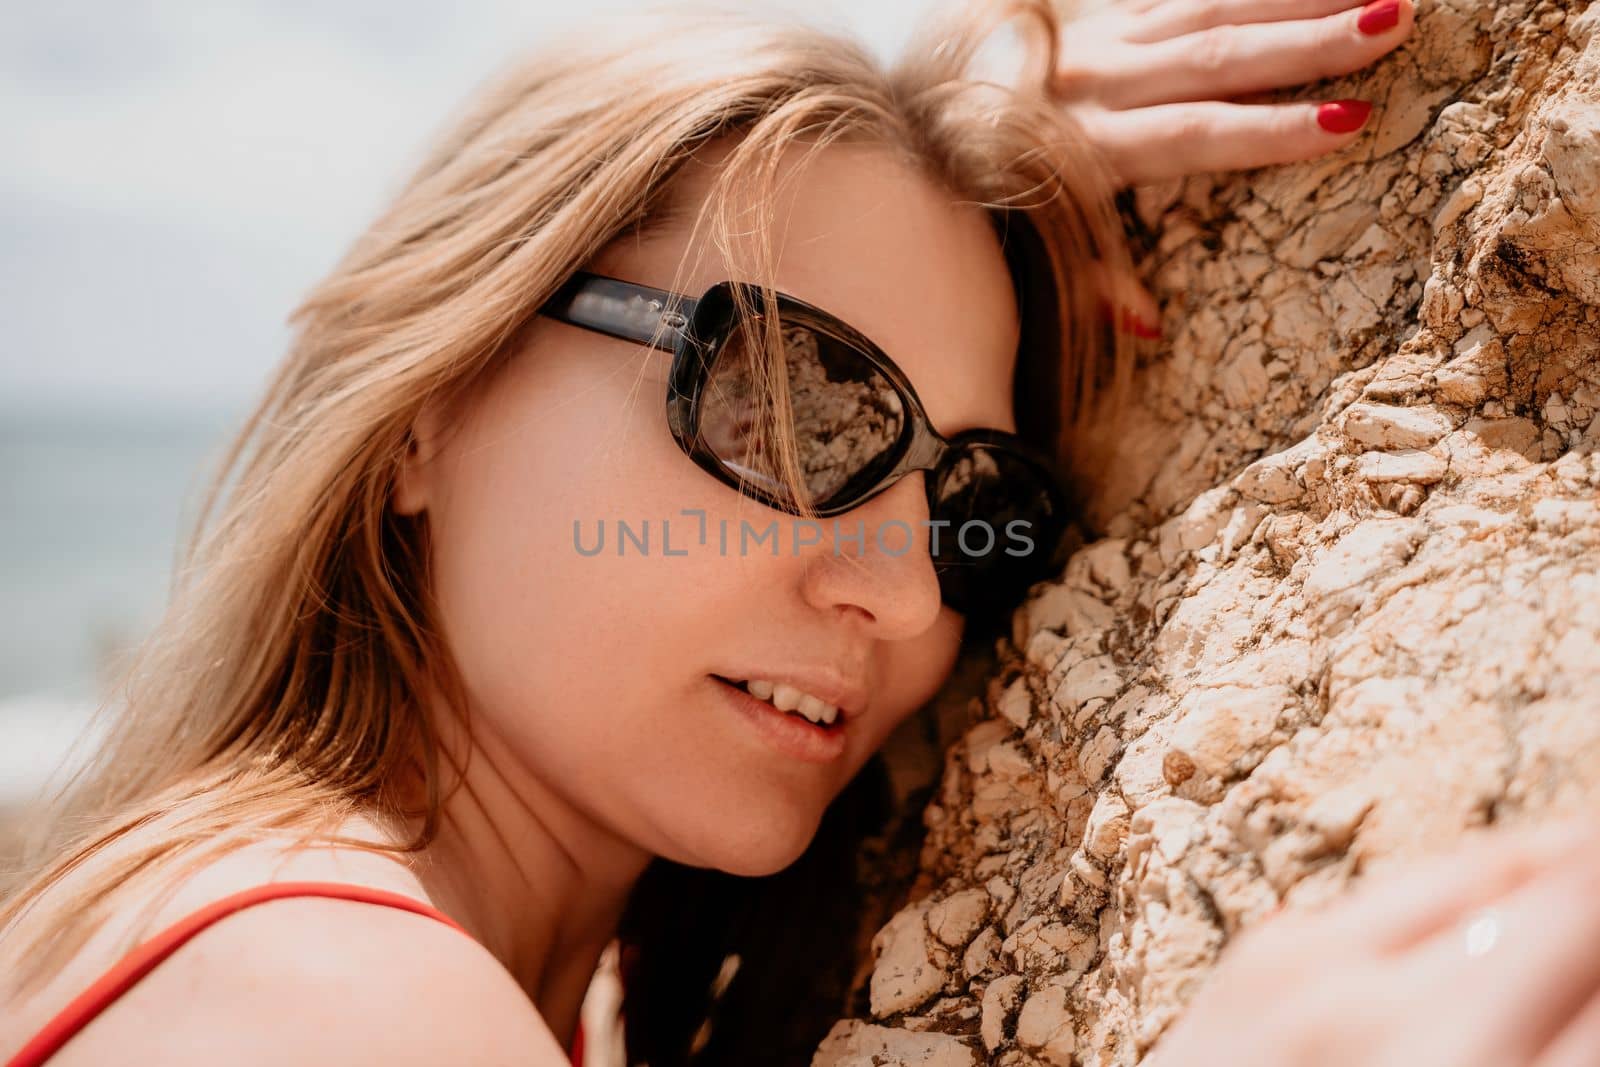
1005, 518
845, 418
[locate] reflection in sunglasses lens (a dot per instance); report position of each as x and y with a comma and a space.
845, 415
989, 564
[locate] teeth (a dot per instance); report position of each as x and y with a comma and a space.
788, 698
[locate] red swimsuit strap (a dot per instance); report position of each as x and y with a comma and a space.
139, 962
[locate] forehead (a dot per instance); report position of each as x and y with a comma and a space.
859, 232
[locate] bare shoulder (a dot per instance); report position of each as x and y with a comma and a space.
321, 981
314, 979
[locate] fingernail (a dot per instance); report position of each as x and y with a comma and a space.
1378, 16
1129, 322
1133, 324
1343, 116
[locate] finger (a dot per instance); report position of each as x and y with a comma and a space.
1190, 16
1170, 140
1228, 60
1137, 312
1579, 1044
1395, 910
1536, 967
1134, 6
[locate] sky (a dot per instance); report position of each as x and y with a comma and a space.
175, 174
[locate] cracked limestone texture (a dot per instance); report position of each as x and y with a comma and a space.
1347, 604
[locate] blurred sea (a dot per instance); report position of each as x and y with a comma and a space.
92, 504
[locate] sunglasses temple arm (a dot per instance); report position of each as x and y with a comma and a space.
620, 309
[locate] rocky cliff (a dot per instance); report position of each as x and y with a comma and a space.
1348, 600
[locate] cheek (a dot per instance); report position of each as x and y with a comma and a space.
913, 671
929, 658
593, 667
556, 455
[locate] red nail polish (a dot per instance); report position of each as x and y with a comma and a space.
1133, 324
1128, 322
1139, 328
1343, 116
1378, 16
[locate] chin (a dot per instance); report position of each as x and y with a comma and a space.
759, 866
762, 847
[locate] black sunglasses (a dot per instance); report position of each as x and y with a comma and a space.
996, 504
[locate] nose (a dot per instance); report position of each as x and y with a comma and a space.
874, 563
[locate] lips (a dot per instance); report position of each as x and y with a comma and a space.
788, 732
791, 686
786, 697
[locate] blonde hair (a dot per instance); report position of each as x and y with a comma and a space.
280, 692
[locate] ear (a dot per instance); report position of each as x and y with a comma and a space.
414, 481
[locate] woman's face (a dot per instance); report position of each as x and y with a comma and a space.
596, 672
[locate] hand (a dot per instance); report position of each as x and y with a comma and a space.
1410, 969
1157, 84
1154, 82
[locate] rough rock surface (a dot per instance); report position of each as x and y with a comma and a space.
1349, 604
